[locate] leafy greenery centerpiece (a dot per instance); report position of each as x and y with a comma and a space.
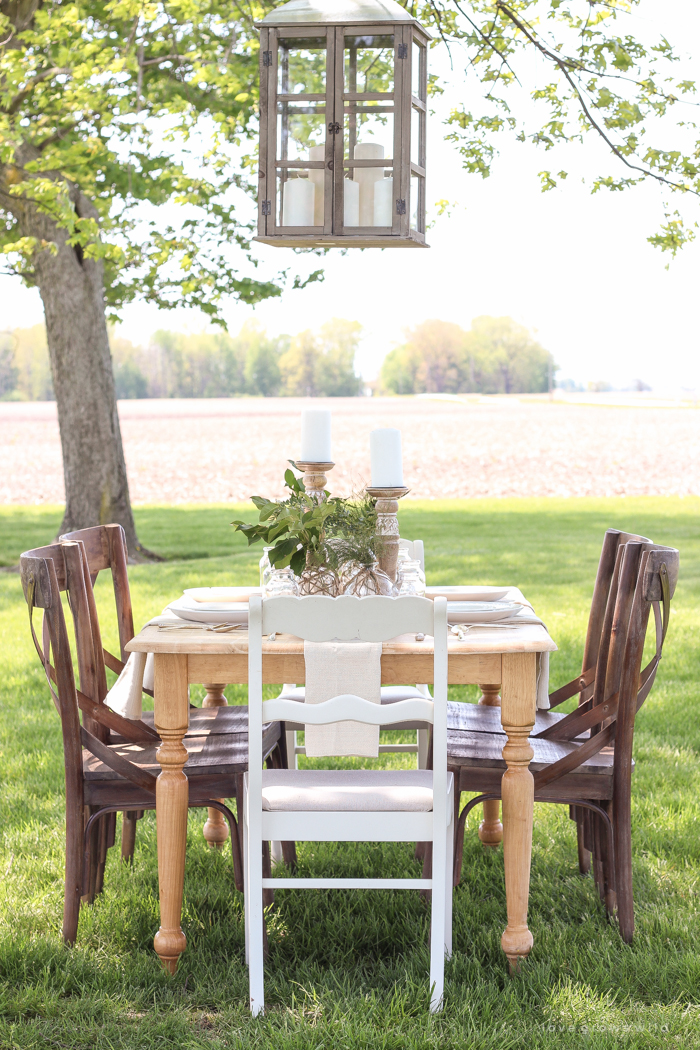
331, 545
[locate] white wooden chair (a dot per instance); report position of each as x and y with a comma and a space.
354, 805
390, 694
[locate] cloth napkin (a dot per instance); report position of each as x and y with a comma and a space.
333, 668
126, 696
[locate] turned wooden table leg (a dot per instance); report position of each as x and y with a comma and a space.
172, 795
490, 828
519, 690
216, 827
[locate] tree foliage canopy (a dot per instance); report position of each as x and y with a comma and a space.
140, 105
136, 105
590, 68
497, 356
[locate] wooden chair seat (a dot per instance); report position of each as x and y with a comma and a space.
477, 760
214, 721
478, 718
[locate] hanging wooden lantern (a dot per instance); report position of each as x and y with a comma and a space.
343, 106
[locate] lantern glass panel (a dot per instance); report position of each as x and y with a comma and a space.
369, 64
301, 66
368, 197
369, 131
301, 126
300, 197
417, 88
417, 136
416, 206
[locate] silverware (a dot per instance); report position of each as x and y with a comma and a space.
218, 628
460, 629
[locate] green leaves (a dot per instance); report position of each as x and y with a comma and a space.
301, 531
135, 105
596, 81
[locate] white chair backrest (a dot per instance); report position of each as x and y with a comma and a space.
375, 618
415, 550
372, 619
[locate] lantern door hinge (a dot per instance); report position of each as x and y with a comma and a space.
267, 58
334, 127
267, 207
403, 51
400, 207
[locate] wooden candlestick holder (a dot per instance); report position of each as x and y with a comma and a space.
388, 526
315, 478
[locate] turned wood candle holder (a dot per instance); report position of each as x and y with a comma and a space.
388, 526
315, 477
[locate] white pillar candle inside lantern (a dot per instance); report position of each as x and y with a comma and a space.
387, 463
317, 176
383, 197
298, 209
351, 205
367, 179
316, 435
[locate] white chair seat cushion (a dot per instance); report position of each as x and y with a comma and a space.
347, 790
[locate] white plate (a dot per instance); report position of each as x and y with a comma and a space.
481, 612
467, 594
187, 609
211, 597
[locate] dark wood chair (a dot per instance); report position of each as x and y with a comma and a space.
105, 550
485, 716
110, 761
584, 759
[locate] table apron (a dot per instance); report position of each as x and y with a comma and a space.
397, 669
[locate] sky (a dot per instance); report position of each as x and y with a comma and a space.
574, 268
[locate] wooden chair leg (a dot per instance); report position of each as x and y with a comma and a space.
102, 838
584, 856
622, 837
73, 885
597, 855
89, 889
609, 867
128, 836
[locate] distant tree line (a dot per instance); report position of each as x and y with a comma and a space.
496, 356
177, 364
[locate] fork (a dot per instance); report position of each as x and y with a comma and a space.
218, 628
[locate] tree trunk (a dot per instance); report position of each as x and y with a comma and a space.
72, 291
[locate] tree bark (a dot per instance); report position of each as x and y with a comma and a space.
72, 291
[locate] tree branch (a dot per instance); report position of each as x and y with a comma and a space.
563, 67
25, 92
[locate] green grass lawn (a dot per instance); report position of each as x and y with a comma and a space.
348, 969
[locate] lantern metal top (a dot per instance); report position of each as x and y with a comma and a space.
337, 12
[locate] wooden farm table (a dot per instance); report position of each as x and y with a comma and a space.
485, 657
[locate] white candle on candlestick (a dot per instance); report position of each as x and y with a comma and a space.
387, 463
315, 435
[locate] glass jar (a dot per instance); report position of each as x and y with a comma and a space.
362, 580
411, 581
265, 570
281, 583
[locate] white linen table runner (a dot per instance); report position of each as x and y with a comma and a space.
334, 668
